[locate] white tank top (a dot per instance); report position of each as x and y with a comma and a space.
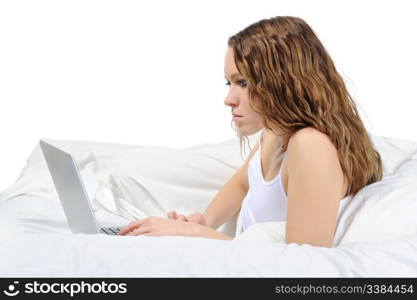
265, 201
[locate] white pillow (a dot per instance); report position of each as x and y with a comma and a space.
137, 181
265, 231
155, 180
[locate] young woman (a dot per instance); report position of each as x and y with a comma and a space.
314, 149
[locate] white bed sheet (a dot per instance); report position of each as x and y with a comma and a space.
377, 230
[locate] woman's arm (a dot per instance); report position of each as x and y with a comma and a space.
228, 200
225, 204
315, 187
204, 231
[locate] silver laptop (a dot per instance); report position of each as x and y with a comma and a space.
72, 193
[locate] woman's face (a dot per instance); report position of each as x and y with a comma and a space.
237, 98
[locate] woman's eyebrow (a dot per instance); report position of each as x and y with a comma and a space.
233, 76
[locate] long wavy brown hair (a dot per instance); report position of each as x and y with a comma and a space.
287, 67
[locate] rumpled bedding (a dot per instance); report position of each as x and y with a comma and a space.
376, 232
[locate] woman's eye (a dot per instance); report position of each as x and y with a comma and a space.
241, 82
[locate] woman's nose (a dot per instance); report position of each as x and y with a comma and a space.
230, 101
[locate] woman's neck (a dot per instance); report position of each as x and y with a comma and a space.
277, 140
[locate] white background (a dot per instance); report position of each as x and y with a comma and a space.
151, 73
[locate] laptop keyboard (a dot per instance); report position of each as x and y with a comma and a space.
110, 230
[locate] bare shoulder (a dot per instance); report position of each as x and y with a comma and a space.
311, 147
310, 141
311, 136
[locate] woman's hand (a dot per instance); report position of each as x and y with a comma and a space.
155, 226
194, 218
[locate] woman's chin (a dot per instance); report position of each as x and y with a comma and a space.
248, 131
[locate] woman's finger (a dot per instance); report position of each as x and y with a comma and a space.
197, 218
182, 218
131, 226
193, 218
140, 230
171, 214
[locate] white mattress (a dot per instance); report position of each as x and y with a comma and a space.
376, 234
